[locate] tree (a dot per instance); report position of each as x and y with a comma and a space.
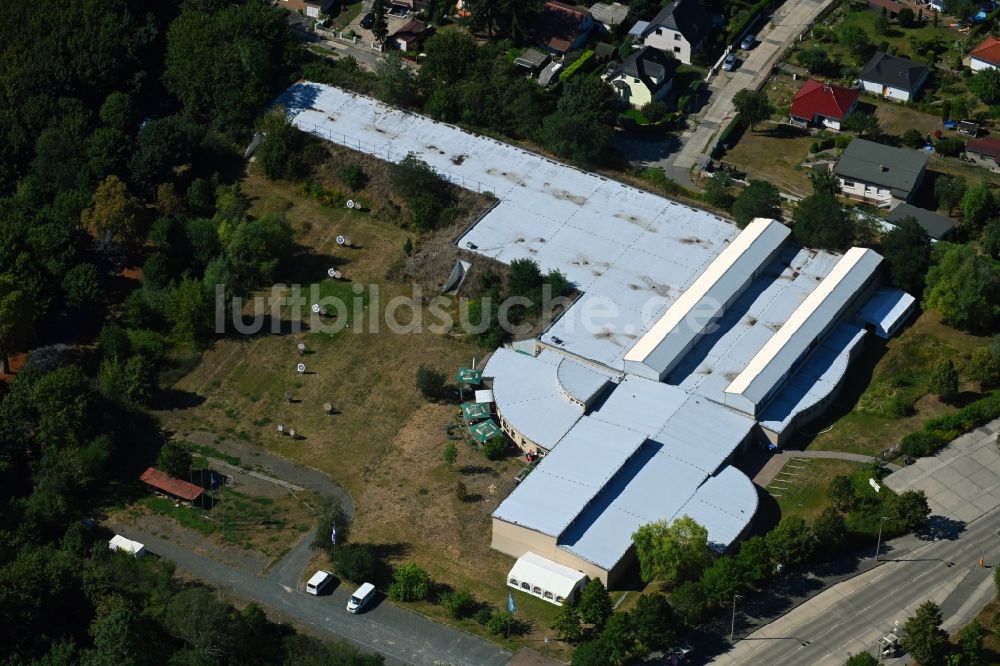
829, 529
504, 18
380, 27
655, 111
619, 636
592, 653
978, 204
962, 286
115, 214
820, 221
500, 621
861, 659
985, 85
118, 640
970, 645
949, 146
862, 123
525, 278
717, 190
841, 493
495, 448
944, 380
990, 239
910, 509
753, 107
200, 619
394, 81
356, 562
791, 542
595, 603
421, 188
458, 603
881, 25
815, 59
722, 580
688, 600
949, 190
175, 459
759, 199
856, 41
450, 453
754, 558
83, 287
654, 622
907, 249
430, 382
673, 552
567, 623
923, 637
824, 181
914, 139
905, 17
984, 367
16, 321
409, 583
186, 310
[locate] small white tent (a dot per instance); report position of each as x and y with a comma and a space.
545, 579
118, 542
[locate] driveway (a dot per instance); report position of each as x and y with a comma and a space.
787, 23
401, 636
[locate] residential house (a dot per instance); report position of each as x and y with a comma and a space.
311, 8
891, 7
894, 78
532, 60
609, 16
562, 28
936, 5
986, 55
823, 104
680, 28
645, 75
937, 226
410, 5
879, 174
410, 36
984, 152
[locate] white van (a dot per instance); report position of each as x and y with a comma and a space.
360, 598
319, 580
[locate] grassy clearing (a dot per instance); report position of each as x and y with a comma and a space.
867, 422
775, 154
383, 441
987, 618
800, 486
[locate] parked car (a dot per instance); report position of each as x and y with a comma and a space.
318, 582
748, 42
729, 64
360, 598
367, 21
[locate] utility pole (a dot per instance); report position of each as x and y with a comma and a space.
878, 544
732, 627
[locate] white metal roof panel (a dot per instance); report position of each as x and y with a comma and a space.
725, 504
805, 324
886, 309
528, 394
556, 578
706, 298
640, 404
703, 434
580, 382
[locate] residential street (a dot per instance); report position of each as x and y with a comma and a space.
677, 157
850, 617
401, 636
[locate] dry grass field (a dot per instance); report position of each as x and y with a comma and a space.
383, 441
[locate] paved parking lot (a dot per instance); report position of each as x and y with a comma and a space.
962, 481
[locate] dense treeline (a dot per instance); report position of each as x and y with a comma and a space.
122, 125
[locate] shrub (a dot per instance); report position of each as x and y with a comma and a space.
920, 444
913, 138
495, 448
356, 562
949, 146
409, 583
458, 604
352, 176
430, 382
483, 615
842, 141
499, 622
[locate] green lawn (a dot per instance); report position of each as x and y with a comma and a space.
800, 487
348, 13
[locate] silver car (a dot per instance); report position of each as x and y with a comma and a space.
729, 64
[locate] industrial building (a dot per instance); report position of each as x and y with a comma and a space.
691, 340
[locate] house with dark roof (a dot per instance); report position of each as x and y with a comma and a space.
986, 55
879, 174
679, 28
891, 7
410, 36
645, 75
984, 152
532, 60
823, 104
893, 78
937, 226
562, 28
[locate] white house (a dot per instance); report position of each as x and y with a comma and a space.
680, 29
644, 76
879, 174
893, 78
986, 55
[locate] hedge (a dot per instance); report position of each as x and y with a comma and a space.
941, 429
731, 132
576, 64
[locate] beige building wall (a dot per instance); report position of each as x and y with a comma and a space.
515, 541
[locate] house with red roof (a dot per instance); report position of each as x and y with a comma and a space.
986, 55
562, 28
823, 104
984, 152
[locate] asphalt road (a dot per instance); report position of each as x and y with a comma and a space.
401, 636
